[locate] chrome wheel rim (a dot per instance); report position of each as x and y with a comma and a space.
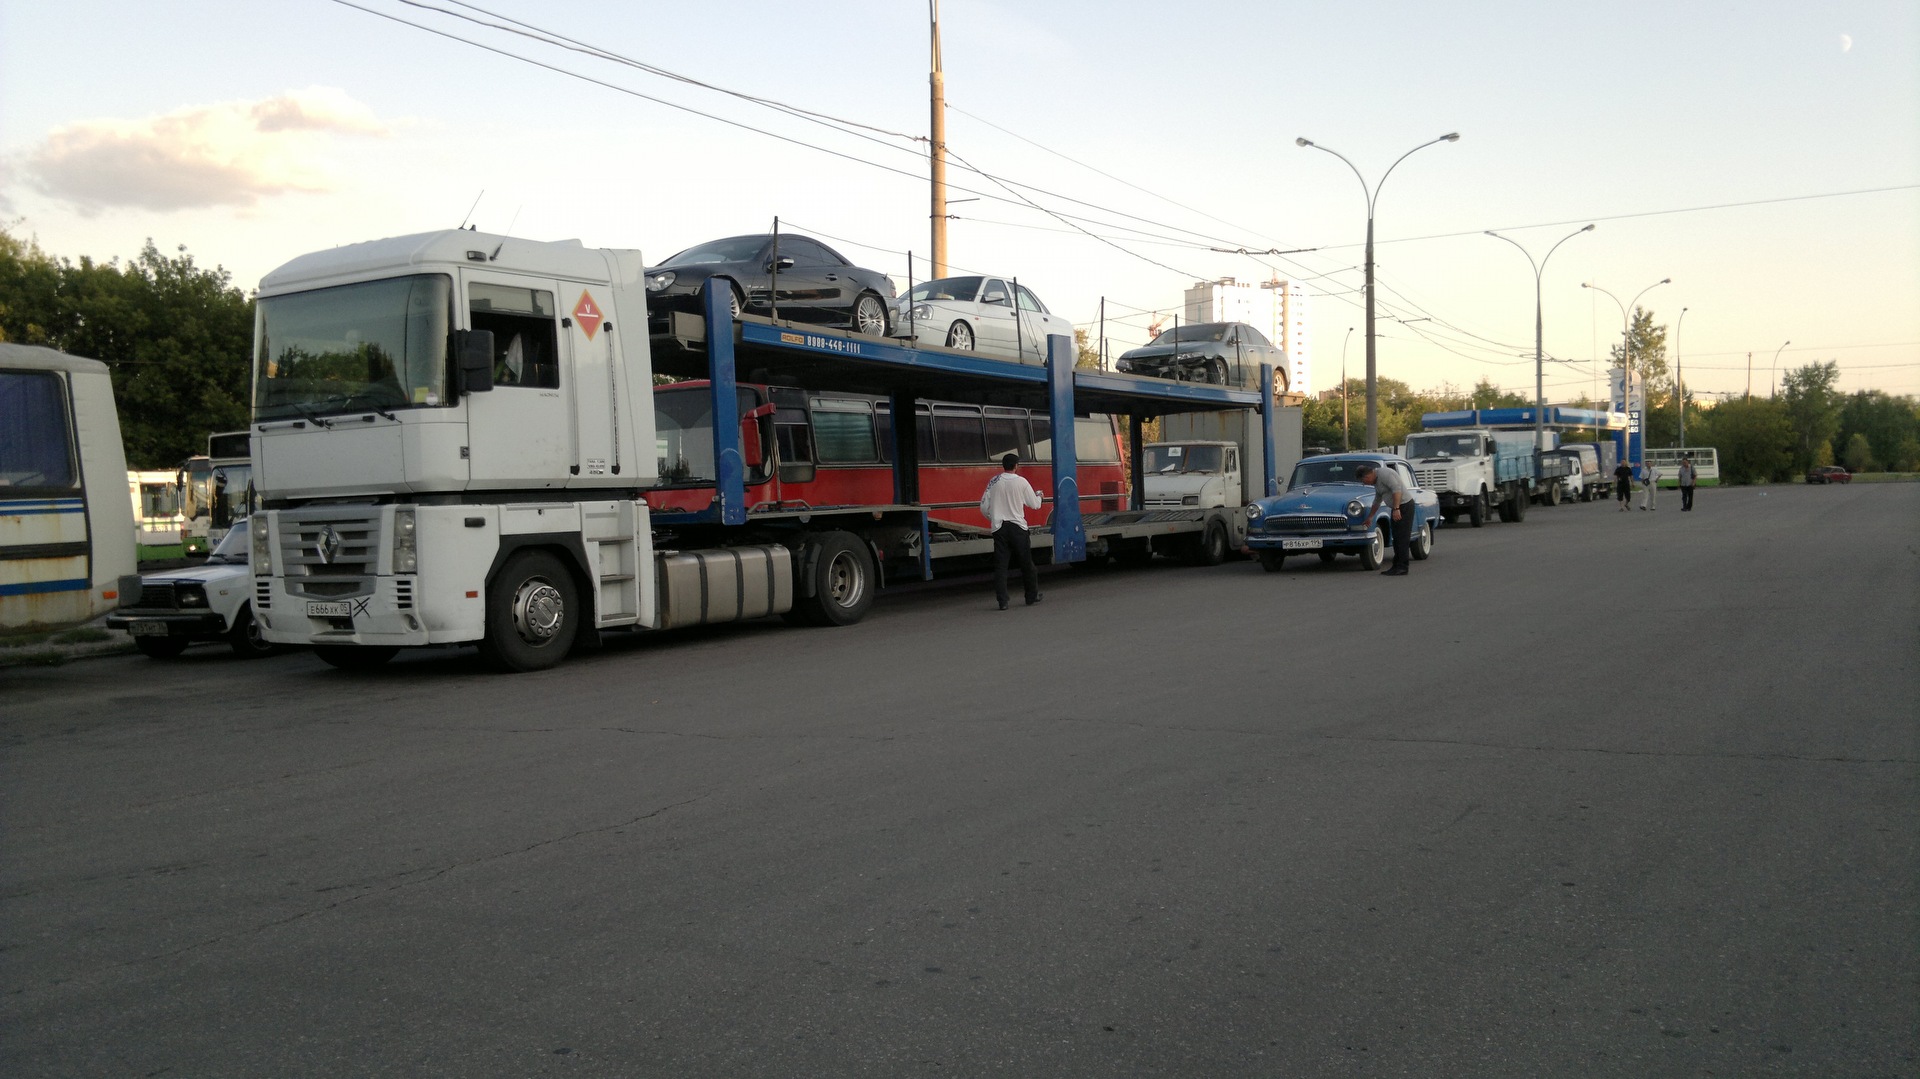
538, 610
869, 317
845, 583
960, 337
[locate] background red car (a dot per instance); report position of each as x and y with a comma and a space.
1829, 474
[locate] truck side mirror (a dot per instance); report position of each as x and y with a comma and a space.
473, 360
751, 451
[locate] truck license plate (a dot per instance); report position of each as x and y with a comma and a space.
329, 609
148, 629
1300, 544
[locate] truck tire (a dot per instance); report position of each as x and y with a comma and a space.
1477, 510
1374, 554
348, 657
1422, 547
1553, 494
1519, 502
533, 610
161, 647
244, 638
1271, 561
1212, 548
842, 580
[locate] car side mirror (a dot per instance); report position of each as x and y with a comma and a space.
784, 262
473, 354
994, 297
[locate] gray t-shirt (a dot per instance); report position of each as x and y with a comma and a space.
1390, 485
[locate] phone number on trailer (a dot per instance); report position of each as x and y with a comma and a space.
827, 344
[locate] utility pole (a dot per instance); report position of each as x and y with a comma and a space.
938, 150
1680, 387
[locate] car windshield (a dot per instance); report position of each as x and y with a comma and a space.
1307, 473
1166, 460
732, 249
233, 548
350, 348
946, 288
1199, 331
1443, 446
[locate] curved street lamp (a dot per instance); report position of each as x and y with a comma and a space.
1773, 379
1679, 388
1373, 195
1626, 359
1346, 440
1539, 375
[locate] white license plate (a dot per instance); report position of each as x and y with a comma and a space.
334, 608
148, 629
1300, 544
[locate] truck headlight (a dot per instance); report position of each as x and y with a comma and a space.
1190, 500
262, 551
660, 281
406, 555
1353, 508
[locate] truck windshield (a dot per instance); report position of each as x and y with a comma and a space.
1443, 446
683, 433
377, 344
1200, 331
1166, 460
1311, 472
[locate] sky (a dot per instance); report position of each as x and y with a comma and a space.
1764, 156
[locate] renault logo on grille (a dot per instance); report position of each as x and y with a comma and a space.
327, 546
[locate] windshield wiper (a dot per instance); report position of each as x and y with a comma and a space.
314, 416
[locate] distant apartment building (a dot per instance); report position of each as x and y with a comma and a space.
1276, 308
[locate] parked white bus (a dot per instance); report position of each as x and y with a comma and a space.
66, 530
1706, 462
155, 497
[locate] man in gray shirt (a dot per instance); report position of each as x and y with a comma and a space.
1391, 488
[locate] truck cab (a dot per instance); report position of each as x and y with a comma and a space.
1192, 473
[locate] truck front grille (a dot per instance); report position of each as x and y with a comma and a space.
330, 543
1433, 479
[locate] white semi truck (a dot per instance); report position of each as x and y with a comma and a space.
454, 441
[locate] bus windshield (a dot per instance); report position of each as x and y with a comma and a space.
683, 433
376, 344
1165, 460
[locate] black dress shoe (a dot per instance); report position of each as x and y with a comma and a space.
1003, 604
1393, 573
1037, 597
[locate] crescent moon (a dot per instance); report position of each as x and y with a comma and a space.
1846, 42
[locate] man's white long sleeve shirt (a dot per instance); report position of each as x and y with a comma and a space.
1007, 498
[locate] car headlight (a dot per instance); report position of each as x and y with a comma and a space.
262, 552
1353, 508
924, 310
191, 595
1254, 510
406, 555
660, 281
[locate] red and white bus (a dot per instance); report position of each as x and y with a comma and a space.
835, 450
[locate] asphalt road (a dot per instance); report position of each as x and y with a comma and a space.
1598, 794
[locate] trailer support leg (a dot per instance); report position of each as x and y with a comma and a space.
729, 464
1136, 450
1069, 533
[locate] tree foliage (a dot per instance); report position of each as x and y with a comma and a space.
1890, 425
1813, 408
1754, 437
175, 336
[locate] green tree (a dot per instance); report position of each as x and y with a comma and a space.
1085, 356
1813, 407
1488, 395
176, 337
1754, 438
1859, 455
1886, 421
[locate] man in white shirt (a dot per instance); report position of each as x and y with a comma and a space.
1005, 503
1651, 477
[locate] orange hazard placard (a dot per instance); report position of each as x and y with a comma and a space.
587, 315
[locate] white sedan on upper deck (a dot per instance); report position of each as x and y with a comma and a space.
985, 314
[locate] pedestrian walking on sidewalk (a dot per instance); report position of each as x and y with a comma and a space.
1005, 503
1688, 477
1623, 484
1650, 474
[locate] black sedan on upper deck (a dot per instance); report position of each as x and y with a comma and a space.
785, 275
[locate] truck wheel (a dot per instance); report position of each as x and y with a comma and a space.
532, 612
1271, 561
1422, 545
348, 657
1212, 549
1519, 502
1477, 510
842, 578
161, 647
960, 336
869, 316
1374, 554
1553, 495
244, 638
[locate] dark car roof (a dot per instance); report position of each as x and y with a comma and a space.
763, 237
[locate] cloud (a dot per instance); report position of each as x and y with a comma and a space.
230, 154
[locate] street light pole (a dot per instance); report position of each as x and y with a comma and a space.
1346, 439
1679, 388
1373, 194
1626, 359
1773, 379
1539, 363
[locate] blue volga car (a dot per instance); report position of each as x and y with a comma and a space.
1321, 510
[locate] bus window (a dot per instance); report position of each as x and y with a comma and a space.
1042, 449
792, 433
957, 435
1093, 441
37, 450
1006, 432
843, 431
883, 428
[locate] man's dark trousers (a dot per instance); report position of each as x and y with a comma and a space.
1010, 543
1403, 538
1686, 498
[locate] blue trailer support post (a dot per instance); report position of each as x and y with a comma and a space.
1069, 534
1266, 428
729, 466
1136, 449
